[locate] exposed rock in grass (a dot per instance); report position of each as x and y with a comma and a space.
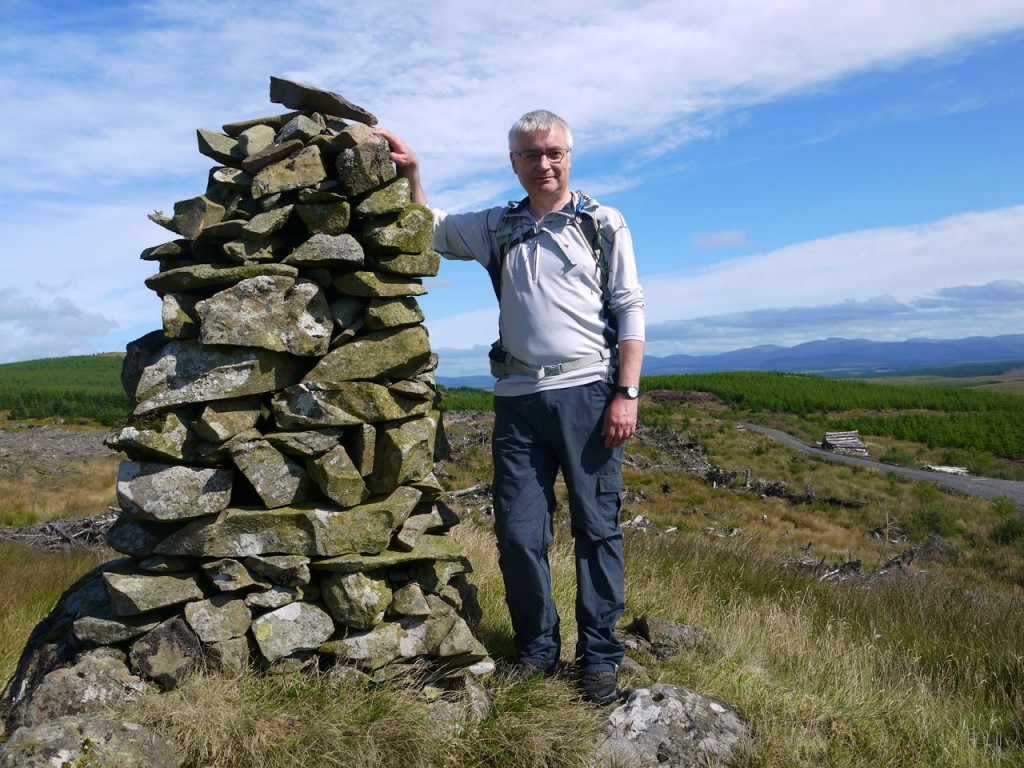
83, 740
668, 725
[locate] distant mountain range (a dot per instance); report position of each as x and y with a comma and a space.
851, 358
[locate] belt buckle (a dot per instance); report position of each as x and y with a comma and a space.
551, 370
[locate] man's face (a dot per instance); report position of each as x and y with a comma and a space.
539, 176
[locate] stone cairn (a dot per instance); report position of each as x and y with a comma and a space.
278, 504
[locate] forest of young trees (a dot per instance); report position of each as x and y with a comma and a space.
88, 388
935, 416
81, 388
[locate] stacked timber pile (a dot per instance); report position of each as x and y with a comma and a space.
848, 443
278, 504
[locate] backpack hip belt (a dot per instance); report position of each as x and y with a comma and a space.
504, 365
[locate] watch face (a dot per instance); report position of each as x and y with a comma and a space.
632, 392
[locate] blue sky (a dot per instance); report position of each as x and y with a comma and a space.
790, 171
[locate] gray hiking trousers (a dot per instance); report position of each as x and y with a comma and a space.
535, 435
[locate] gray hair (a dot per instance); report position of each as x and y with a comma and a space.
538, 120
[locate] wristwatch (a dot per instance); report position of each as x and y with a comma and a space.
632, 391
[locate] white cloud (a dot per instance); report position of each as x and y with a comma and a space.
33, 329
904, 262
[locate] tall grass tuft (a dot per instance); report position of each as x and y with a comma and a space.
32, 583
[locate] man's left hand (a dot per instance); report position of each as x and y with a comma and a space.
619, 421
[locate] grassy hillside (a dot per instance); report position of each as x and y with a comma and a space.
915, 665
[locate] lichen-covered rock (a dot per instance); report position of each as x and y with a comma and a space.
217, 146
168, 654
230, 575
302, 128
302, 169
275, 597
134, 593
223, 419
409, 601
339, 252
376, 648
361, 445
436, 548
425, 264
668, 638
668, 725
307, 97
168, 492
136, 537
329, 218
196, 277
286, 570
310, 529
220, 618
255, 139
437, 520
365, 167
83, 740
346, 403
189, 372
192, 216
277, 479
275, 313
305, 443
230, 655
293, 628
392, 313
270, 154
356, 600
392, 353
99, 678
338, 478
105, 628
404, 453
411, 231
161, 437
390, 199
375, 285
178, 314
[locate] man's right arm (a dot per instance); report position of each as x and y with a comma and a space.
406, 164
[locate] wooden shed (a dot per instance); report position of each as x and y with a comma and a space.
848, 443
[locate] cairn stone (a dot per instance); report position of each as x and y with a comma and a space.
168, 654
278, 503
163, 492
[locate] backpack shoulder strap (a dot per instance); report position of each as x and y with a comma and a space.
590, 226
503, 235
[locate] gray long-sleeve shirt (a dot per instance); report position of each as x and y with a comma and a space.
551, 305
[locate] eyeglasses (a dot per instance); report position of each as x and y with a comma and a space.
554, 156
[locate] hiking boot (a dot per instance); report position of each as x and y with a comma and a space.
598, 686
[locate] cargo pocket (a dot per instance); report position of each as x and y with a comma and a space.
603, 518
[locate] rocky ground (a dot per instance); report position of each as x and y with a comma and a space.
46, 448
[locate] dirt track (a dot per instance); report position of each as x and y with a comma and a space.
986, 487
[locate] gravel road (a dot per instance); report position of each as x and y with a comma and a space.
986, 487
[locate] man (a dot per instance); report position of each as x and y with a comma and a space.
568, 366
